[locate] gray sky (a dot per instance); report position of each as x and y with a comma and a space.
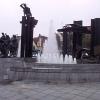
60, 11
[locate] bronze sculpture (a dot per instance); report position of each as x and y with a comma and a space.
26, 10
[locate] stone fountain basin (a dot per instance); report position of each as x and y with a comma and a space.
16, 69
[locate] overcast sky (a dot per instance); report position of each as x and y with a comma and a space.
60, 11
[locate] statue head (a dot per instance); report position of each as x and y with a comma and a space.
2, 34
24, 4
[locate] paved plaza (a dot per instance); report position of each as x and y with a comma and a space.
49, 91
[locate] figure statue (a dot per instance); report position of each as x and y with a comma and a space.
3, 46
13, 46
26, 10
7, 43
3, 36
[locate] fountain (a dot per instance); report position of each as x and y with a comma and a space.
51, 53
50, 66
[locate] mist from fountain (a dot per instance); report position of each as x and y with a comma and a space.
51, 53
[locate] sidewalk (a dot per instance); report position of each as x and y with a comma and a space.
49, 91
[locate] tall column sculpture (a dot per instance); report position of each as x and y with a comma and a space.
28, 24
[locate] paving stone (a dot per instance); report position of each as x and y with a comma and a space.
68, 96
95, 97
42, 91
79, 98
48, 97
84, 94
76, 92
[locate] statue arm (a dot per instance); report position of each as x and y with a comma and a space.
22, 5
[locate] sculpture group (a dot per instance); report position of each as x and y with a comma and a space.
8, 46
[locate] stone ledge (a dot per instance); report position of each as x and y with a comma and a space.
21, 69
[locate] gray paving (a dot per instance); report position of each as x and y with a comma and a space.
49, 91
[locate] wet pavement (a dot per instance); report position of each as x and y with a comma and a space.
28, 90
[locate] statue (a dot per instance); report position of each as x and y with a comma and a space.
3, 46
26, 10
13, 46
28, 23
8, 46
